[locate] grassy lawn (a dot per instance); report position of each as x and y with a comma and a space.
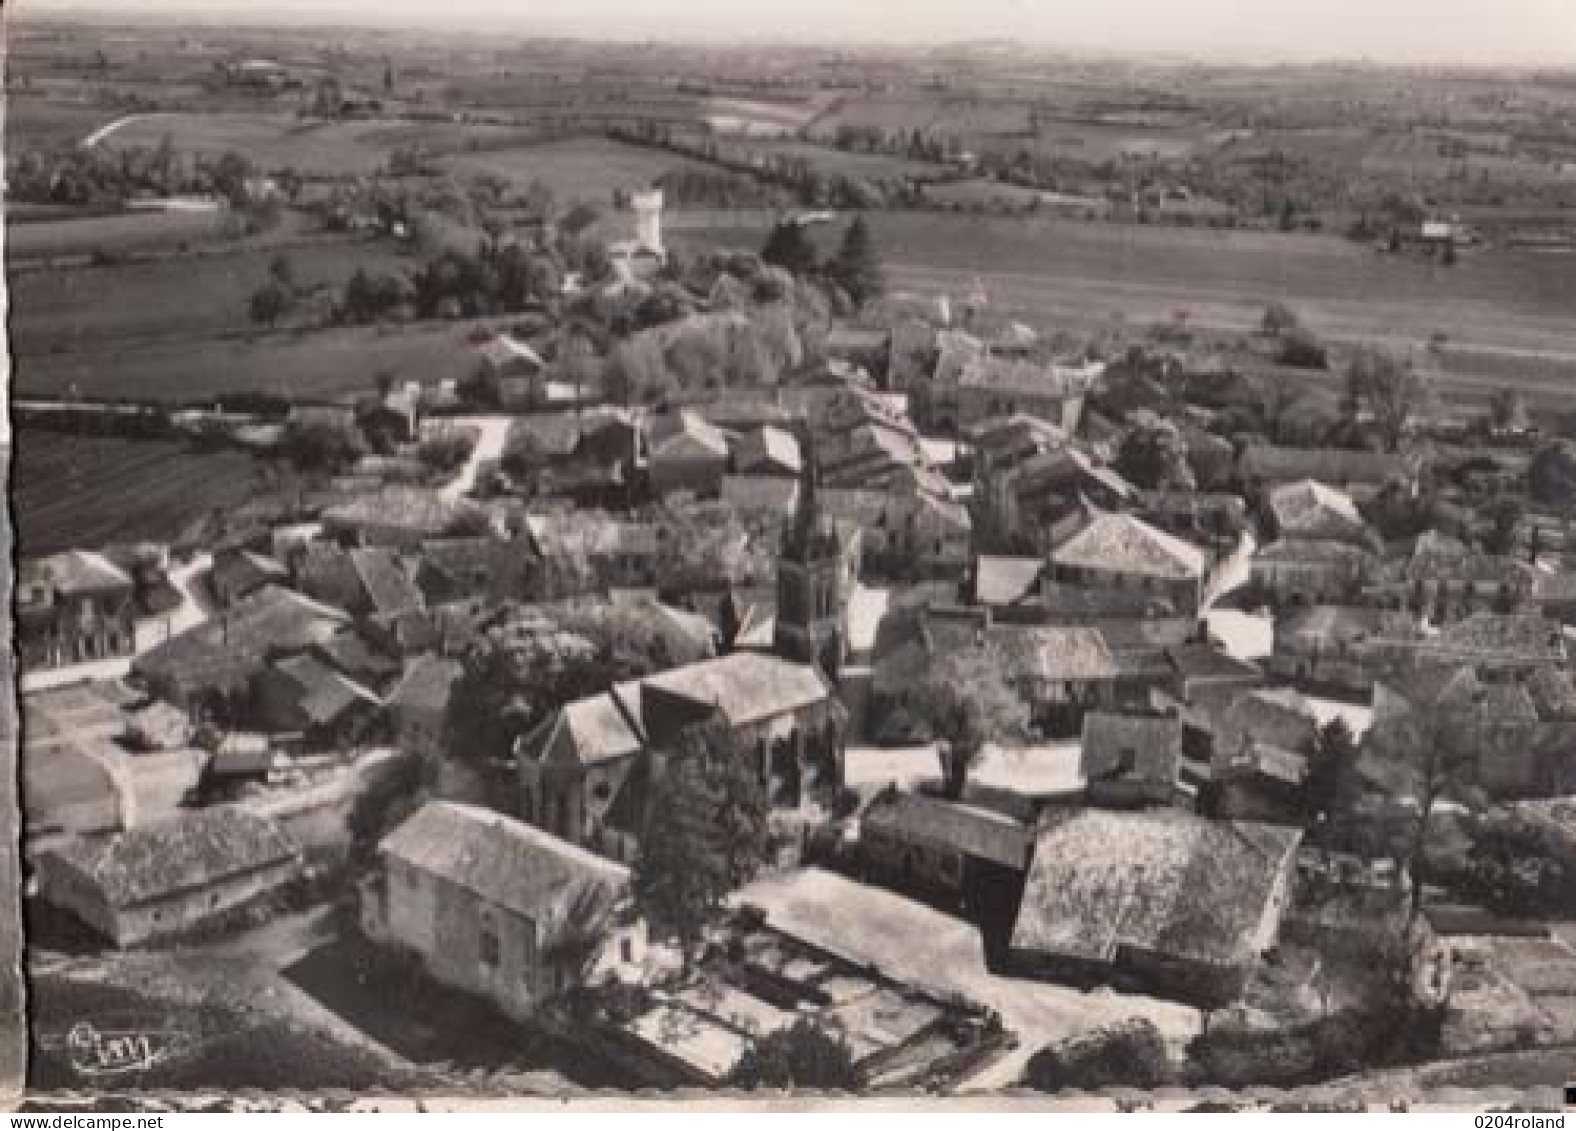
116, 234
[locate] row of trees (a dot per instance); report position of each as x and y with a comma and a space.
855, 268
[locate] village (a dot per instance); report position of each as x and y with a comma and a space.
862, 694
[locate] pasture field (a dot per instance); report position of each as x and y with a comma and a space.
313, 148
33, 122
321, 364
119, 233
838, 162
1507, 313
80, 307
587, 169
90, 490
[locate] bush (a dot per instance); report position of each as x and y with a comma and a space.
1132, 1054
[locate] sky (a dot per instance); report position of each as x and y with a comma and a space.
1489, 32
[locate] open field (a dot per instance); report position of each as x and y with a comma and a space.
587, 169
1506, 312
117, 234
35, 123
323, 364
80, 307
313, 148
89, 490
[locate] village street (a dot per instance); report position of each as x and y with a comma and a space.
493, 434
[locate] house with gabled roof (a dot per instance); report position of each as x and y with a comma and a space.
1308, 509
685, 453
939, 849
72, 607
501, 909
1154, 901
1117, 551
587, 762
304, 695
170, 875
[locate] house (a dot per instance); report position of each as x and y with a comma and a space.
304, 695
213, 664
940, 849
1156, 901
1117, 551
73, 607
1061, 671
362, 655
1359, 474
767, 451
1212, 519
583, 770
364, 581
1205, 674
868, 348
510, 370
685, 453
1492, 642
1038, 503
239, 572
169, 876
403, 518
1001, 582
1328, 645
418, 705
991, 385
487, 567
1310, 510
1445, 579
494, 907
1299, 571
1131, 761
587, 551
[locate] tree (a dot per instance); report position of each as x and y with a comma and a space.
1434, 729
1507, 409
787, 246
1332, 774
964, 699
856, 267
1505, 515
269, 303
1395, 392
1153, 454
1279, 319
282, 271
801, 1056
705, 832
1551, 477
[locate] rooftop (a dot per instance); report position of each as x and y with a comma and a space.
976, 832
504, 862
1160, 881
1118, 543
178, 854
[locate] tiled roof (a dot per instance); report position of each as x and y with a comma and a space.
745, 686
1310, 509
1553, 691
981, 833
426, 684
78, 571
1116, 543
1055, 653
685, 435
589, 731
1005, 581
503, 862
1160, 881
324, 694
231, 646
767, 446
182, 853
388, 587
1305, 551
1491, 636
424, 512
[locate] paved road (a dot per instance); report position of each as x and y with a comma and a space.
103, 132
489, 448
150, 634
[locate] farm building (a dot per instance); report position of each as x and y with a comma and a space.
1155, 901
939, 849
73, 607
169, 876
1120, 552
500, 909
1132, 761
